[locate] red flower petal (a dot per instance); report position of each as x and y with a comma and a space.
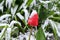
33, 21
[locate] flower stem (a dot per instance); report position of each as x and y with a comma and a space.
35, 31
30, 33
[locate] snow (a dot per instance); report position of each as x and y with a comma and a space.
1, 5
33, 13
45, 23
8, 32
13, 10
20, 16
45, 2
3, 24
26, 36
26, 15
8, 3
4, 20
58, 29
4, 16
13, 22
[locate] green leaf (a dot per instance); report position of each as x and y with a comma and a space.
43, 13
51, 13
15, 32
50, 5
58, 6
3, 32
57, 19
40, 34
29, 2
0, 1
19, 2
55, 34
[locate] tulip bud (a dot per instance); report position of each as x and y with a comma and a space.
33, 19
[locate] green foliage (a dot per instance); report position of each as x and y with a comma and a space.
50, 5
43, 13
56, 18
40, 34
55, 34
19, 2
49, 29
15, 33
29, 2
0, 1
58, 5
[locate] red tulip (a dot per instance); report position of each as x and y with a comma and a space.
33, 19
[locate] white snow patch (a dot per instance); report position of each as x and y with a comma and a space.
58, 27
26, 15
1, 5
20, 16
54, 8
4, 16
46, 6
7, 35
33, 13
57, 12
4, 24
13, 10
45, 2
13, 22
9, 2
45, 23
